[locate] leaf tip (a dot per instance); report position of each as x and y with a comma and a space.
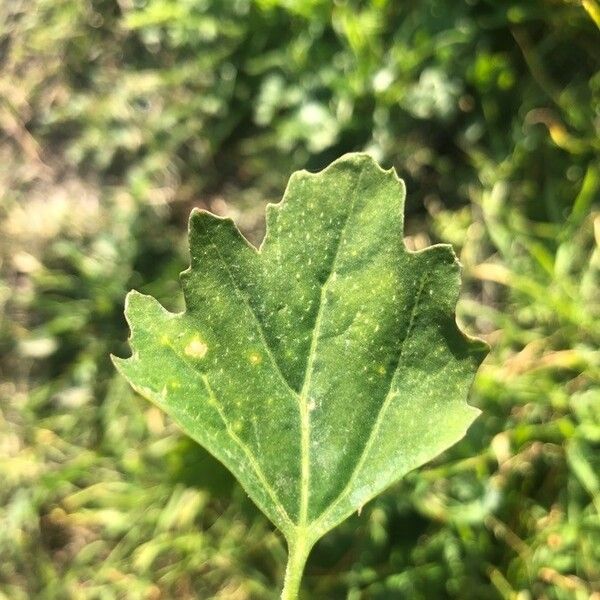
131, 297
201, 215
203, 226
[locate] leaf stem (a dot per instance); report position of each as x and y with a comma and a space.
298, 552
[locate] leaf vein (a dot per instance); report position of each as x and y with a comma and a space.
303, 399
257, 321
249, 455
379, 419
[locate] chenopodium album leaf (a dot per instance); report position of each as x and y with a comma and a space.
320, 368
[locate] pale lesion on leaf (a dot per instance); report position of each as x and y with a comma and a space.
196, 348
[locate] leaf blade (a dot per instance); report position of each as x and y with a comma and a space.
322, 367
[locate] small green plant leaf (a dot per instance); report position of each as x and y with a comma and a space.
324, 366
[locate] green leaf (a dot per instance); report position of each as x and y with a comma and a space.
324, 366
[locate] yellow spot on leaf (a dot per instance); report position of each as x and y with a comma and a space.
255, 358
381, 370
196, 348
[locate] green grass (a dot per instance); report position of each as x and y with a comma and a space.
491, 117
103, 498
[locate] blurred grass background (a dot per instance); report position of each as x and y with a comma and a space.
118, 116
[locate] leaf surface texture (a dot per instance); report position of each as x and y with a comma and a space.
324, 366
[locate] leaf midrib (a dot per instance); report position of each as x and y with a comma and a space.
307, 379
301, 396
